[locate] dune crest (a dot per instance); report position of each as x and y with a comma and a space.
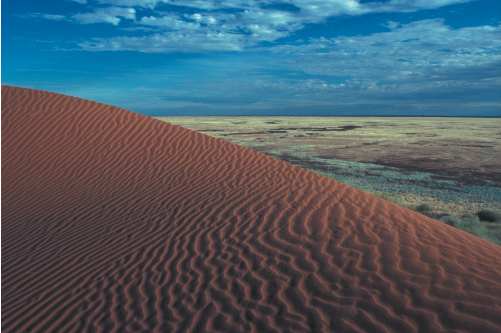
116, 222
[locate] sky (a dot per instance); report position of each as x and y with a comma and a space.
249, 57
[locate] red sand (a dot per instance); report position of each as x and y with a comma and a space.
116, 222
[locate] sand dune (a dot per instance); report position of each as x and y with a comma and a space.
116, 222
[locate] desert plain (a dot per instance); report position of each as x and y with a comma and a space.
445, 167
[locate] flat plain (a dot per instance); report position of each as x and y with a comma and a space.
446, 168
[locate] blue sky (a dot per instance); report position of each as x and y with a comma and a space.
290, 57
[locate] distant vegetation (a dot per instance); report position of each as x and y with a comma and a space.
469, 223
485, 223
423, 208
489, 216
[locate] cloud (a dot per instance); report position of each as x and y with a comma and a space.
410, 5
422, 66
51, 17
314, 8
201, 31
181, 41
417, 49
423, 63
255, 22
200, 4
170, 22
111, 15
132, 3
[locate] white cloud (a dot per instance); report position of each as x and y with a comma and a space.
131, 3
424, 60
411, 49
248, 25
423, 64
181, 41
52, 17
170, 22
315, 7
410, 5
201, 4
204, 19
111, 15
252, 20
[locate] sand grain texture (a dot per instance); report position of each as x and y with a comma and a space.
116, 222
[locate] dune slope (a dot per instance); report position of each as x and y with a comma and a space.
116, 222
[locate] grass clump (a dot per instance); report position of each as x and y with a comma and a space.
424, 209
450, 220
468, 223
489, 216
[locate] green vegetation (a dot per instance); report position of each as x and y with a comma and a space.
480, 224
424, 209
471, 224
489, 216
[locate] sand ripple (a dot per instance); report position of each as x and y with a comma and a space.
115, 222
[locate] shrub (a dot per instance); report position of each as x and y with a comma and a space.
423, 208
470, 223
489, 216
450, 220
